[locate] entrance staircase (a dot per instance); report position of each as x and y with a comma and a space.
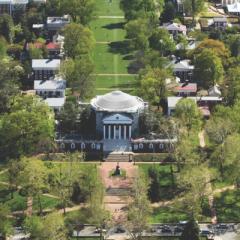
117, 157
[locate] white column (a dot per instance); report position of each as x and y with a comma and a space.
104, 131
120, 132
130, 132
125, 132
109, 131
114, 131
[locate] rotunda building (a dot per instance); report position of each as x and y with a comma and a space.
117, 115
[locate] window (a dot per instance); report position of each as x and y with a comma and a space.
73, 145
151, 146
83, 146
135, 147
98, 147
140, 146
93, 146
62, 146
161, 146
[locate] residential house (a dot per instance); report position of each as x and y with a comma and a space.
183, 69
234, 9
57, 23
186, 89
175, 28
9, 6
45, 69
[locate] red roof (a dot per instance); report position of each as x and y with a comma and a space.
191, 87
52, 45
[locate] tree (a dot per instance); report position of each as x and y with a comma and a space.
138, 31
79, 75
218, 48
208, 69
69, 117
33, 178
153, 84
5, 223
155, 190
81, 11
142, 9
233, 80
188, 114
193, 179
27, 129
193, 7
139, 209
51, 227
161, 40
191, 231
169, 12
9, 86
7, 27
78, 40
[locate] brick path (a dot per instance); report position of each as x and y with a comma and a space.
117, 204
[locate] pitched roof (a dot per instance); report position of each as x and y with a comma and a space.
50, 85
186, 87
51, 64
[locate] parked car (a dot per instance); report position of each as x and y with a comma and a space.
205, 233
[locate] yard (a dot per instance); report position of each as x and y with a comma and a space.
111, 54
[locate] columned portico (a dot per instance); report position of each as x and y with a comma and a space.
115, 131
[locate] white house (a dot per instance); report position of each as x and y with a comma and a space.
234, 8
55, 103
50, 88
183, 69
175, 28
57, 23
9, 6
44, 69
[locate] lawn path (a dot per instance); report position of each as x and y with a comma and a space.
112, 17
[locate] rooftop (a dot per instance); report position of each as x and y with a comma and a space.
186, 87
117, 101
52, 64
49, 85
55, 102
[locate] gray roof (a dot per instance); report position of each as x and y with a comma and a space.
49, 85
46, 64
55, 102
182, 65
13, 1
117, 101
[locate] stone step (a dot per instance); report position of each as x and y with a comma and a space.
118, 191
116, 158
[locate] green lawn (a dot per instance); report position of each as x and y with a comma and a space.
123, 82
109, 8
228, 206
108, 60
108, 30
47, 203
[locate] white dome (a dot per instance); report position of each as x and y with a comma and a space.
117, 101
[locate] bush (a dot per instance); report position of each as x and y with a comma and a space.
153, 157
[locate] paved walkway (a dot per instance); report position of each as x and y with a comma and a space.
117, 204
112, 17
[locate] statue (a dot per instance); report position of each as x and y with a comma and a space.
117, 170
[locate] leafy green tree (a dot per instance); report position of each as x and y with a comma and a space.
27, 128
169, 12
161, 40
155, 190
188, 114
208, 69
3, 47
138, 31
193, 179
33, 178
6, 225
78, 40
9, 86
142, 9
191, 231
233, 80
193, 7
7, 27
81, 11
153, 85
51, 227
139, 209
79, 75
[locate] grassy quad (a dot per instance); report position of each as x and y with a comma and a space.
111, 55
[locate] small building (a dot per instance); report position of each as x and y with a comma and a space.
229, 2
220, 23
54, 50
57, 23
186, 89
9, 6
50, 88
45, 69
183, 69
234, 9
55, 103
175, 28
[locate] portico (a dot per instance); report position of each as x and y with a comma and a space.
117, 126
